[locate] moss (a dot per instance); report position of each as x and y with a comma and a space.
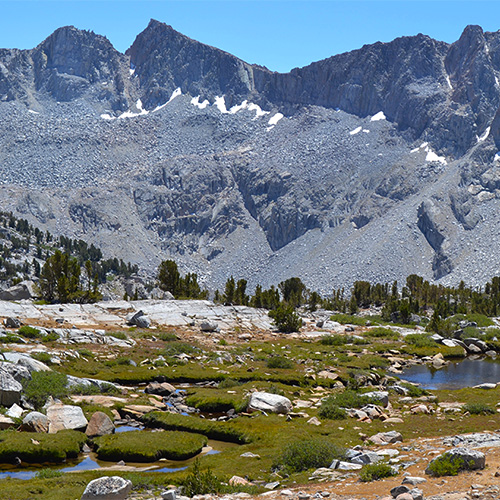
149, 446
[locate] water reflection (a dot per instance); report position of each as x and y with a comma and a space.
467, 373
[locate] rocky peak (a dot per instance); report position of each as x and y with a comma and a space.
164, 60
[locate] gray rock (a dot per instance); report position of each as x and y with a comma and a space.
266, 402
382, 396
11, 322
472, 459
160, 388
10, 390
414, 480
35, 422
107, 488
139, 319
398, 490
168, 495
99, 425
65, 417
21, 291
348, 466
18, 372
15, 411
208, 326
367, 457
386, 437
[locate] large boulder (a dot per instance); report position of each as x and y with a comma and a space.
471, 459
10, 389
139, 319
383, 438
21, 291
17, 371
107, 488
209, 326
35, 422
161, 389
99, 425
266, 402
65, 417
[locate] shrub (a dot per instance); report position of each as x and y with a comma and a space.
445, 465
372, 472
420, 340
344, 319
332, 412
149, 446
334, 340
279, 362
201, 483
347, 399
286, 319
44, 357
479, 409
382, 333
167, 336
308, 454
45, 384
29, 332
117, 335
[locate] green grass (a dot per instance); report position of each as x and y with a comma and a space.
45, 384
347, 399
479, 409
279, 362
216, 403
382, 333
149, 446
29, 332
446, 465
54, 448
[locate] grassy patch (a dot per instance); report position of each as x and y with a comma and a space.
222, 431
347, 319
45, 384
29, 332
34, 447
479, 409
279, 362
347, 399
308, 454
216, 403
149, 446
382, 333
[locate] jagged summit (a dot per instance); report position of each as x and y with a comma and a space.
372, 164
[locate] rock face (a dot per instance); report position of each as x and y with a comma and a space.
263, 401
394, 143
107, 488
99, 425
65, 417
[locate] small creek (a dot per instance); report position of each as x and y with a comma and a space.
89, 461
455, 375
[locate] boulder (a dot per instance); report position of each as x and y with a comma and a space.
367, 457
472, 459
65, 417
140, 320
21, 291
414, 480
11, 322
6, 422
107, 488
10, 389
381, 396
209, 326
35, 422
15, 411
168, 494
99, 425
266, 402
398, 490
17, 371
161, 389
383, 438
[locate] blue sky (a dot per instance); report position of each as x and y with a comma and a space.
279, 34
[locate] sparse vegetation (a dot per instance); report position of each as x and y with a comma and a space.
373, 472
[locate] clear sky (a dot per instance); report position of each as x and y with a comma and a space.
279, 34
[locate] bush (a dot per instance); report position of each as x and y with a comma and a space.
167, 337
286, 319
149, 446
45, 384
332, 412
308, 454
334, 340
382, 333
29, 332
372, 472
479, 409
446, 465
44, 357
279, 362
347, 399
201, 483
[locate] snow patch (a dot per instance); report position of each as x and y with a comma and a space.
497, 157
195, 101
221, 104
107, 116
258, 110
485, 135
275, 119
366, 131
378, 116
238, 107
430, 156
176, 93
357, 130
131, 71
448, 81
33, 112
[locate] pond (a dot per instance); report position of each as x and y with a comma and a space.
455, 375
89, 461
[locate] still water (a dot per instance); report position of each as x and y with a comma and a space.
467, 373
